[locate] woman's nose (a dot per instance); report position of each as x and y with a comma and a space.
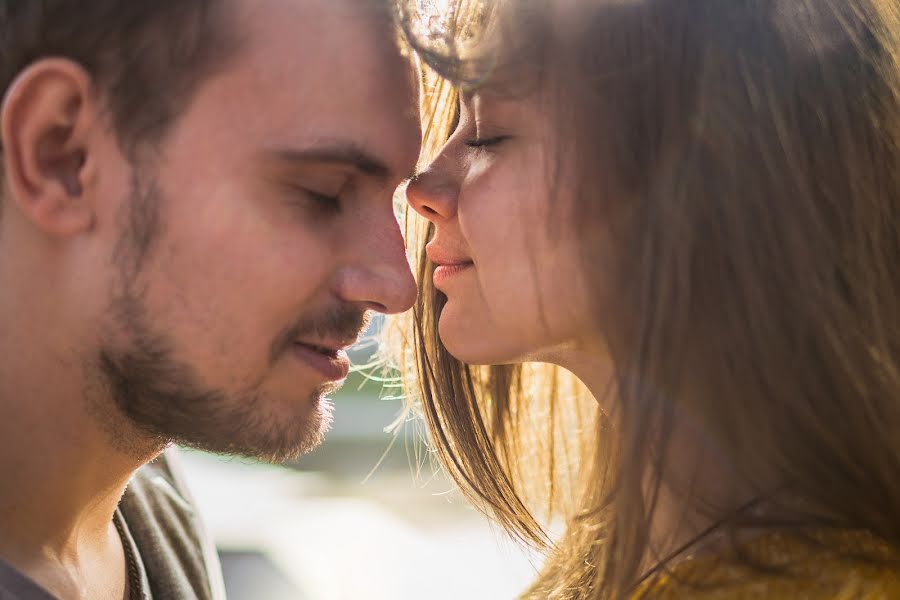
433, 195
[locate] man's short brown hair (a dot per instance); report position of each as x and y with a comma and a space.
146, 57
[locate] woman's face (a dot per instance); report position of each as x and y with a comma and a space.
503, 207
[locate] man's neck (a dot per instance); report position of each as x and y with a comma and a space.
62, 478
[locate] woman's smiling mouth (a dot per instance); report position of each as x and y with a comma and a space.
448, 264
445, 272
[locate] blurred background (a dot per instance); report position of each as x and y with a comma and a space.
365, 516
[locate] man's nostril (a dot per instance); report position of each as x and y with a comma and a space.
377, 307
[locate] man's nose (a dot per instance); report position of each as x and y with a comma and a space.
380, 278
433, 194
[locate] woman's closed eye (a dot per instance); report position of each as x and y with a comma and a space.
477, 129
486, 142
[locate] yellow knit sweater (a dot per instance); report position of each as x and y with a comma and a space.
818, 569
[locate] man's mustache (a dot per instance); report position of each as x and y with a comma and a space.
343, 322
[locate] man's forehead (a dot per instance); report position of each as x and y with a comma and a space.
315, 24
327, 70
331, 47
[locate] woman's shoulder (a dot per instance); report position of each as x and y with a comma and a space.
822, 565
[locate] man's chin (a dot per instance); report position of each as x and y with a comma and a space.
330, 388
309, 436
276, 439
259, 428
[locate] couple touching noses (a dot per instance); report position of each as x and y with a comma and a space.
689, 207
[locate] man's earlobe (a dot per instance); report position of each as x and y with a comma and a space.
46, 120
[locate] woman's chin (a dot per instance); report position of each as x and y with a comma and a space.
469, 342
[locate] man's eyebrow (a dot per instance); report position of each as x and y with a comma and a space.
350, 155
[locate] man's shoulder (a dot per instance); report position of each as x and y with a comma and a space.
174, 548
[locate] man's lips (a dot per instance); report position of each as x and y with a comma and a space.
327, 357
327, 347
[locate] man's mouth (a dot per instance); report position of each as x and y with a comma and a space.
332, 363
323, 350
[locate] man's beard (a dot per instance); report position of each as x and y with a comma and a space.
164, 398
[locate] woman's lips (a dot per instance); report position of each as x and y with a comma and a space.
444, 273
450, 261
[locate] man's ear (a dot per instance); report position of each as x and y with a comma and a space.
46, 120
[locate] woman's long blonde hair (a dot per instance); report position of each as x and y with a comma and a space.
748, 155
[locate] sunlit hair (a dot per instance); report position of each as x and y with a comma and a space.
746, 156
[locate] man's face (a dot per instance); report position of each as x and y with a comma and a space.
255, 242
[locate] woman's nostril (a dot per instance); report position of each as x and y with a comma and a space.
432, 195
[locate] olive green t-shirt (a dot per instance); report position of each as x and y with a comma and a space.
168, 554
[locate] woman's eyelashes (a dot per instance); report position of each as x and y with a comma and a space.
472, 120
486, 142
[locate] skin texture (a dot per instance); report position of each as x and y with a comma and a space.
157, 299
501, 206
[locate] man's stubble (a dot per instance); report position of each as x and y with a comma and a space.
144, 398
